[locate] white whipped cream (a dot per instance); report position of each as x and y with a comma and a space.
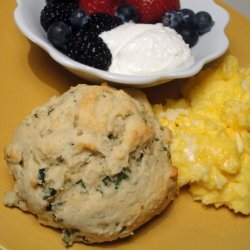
143, 49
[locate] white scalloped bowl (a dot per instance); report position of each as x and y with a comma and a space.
209, 47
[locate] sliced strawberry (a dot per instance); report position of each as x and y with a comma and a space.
97, 6
151, 11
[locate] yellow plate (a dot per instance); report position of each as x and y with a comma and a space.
29, 77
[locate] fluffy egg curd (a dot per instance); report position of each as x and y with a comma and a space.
211, 135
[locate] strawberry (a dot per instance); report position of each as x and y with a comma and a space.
98, 6
151, 11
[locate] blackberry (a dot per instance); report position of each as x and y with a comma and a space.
88, 48
61, 1
100, 22
54, 12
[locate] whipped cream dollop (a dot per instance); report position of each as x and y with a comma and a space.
143, 49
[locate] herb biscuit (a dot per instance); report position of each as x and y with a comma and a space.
93, 162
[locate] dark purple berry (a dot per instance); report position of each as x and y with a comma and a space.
79, 18
88, 48
172, 20
189, 35
127, 13
59, 34
100, 22
54, 12
203, 22
61, 1
187, 16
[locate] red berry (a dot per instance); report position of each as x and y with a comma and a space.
151, 11
100, 6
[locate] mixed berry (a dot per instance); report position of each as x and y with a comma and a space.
57, 11
73, 26
188, 24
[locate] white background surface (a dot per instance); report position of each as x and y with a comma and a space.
241, 5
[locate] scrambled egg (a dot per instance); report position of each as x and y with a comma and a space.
211, 135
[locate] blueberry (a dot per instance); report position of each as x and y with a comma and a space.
79, 18
189, 34
59, 35
127, 13
187, 16
203, 22
172, 20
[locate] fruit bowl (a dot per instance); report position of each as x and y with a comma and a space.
209, 47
